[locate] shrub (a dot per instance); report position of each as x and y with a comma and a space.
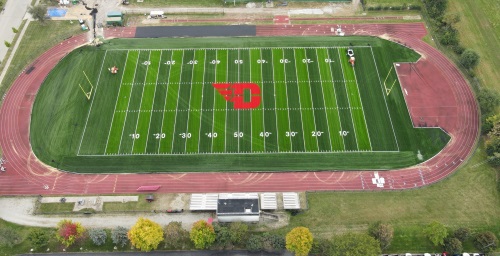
7, 44
458, 49
488, 101
453, 245
175, 235
15, 30
254, 243
222, 236
273, 242
38, 238
9, 237
119, 236
469, 59
98, 236
238, 232
353, 244
436, 233
299, 241
485, 241
145, 235
383, 233
320, 246
462, 234
68, 232
202, 234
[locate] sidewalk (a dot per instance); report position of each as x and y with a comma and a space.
10, 18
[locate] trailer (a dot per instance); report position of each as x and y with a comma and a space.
156, 15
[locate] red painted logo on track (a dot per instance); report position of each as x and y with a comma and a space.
235, 93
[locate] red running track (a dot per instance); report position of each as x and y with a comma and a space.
26, 175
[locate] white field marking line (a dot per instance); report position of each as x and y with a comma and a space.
177, 105
274, 93
244, 153
362, 108
335, 91
251, 112
239, 58
324, 102
221, 109
128, 104
189, 101
225, 121
213, 113
349, 101
92, 103
300, 106
265, 82
140, 104
116, 104
262, 98
165, 103
153, 101
312, 101
287, 106
201, 104
247, 48
385, 100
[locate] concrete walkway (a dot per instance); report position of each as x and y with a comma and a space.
11, 17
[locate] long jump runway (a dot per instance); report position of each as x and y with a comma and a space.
456, 112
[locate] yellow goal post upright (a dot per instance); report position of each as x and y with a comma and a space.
87, 94
388, 90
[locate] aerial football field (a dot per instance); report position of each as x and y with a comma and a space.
233, 108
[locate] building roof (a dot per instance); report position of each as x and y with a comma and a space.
238, 206
268, 201
114, 14
291, 200
203, 202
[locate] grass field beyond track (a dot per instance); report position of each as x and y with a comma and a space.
179, 106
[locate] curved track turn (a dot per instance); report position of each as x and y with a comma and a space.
26, 175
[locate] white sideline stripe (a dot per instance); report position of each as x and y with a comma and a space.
116, 104
140, 103
348, 100
92, 103
153, 102
324, 102
385, 100
243, 48
336, 101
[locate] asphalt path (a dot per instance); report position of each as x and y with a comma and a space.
10, 18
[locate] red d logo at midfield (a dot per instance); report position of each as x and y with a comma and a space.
235, 93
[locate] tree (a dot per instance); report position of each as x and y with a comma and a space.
488, 101
354, 244
469, 59
453, 245
435, 8
202, 234
38, 12
383, 233
98, 236
254, 243
238, 232
119, 236
485, 241
68, 232
273, 242
145, 235
299, 241
222, 236
436, 233
462, 234
9, 237
38, 238
175, 235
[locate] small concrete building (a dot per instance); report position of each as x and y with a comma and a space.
238, 207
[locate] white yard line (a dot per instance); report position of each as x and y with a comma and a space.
213, 113
92, 103
153, 102
274, 92
324, 102
177, 105
140, 103
312, 101
239, 65
385, 100
201, 104
287, 106
363, 109
116, 103
335, 91
251, 111
165, 103
349, 101
128, 104
225, 123
300, 106
189, 102
263, 105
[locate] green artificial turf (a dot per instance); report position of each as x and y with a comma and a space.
161, 112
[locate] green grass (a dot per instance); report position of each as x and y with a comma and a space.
305, 91
393, 2
468, 198
479, 29
54, 208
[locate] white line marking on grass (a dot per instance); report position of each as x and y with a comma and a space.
225, 122
312, 101
349, 101
249, 48
324, 102
189, 103
300, 105
140, 104
386, 107
128, 104
116, 104
165, 103
177, 106
262, 98
238, 109
251, 112
92, 103
213, 113
201, 105
287, 106
274, 93
153, 101
336, 101
363, 109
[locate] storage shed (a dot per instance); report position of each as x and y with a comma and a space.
238, 207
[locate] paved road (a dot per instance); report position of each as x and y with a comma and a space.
10, 18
